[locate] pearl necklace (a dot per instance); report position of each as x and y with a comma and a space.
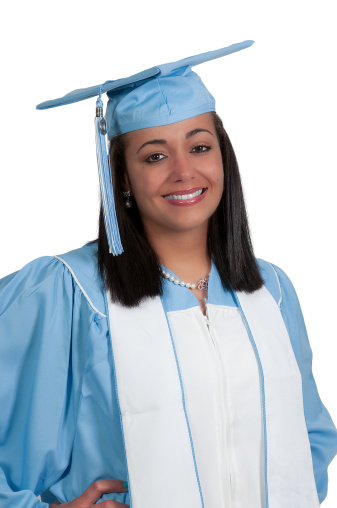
202, 284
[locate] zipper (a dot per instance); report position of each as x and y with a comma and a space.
222, 395
208, 324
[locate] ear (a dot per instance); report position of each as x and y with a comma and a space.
125, 183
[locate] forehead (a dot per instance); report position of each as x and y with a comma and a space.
171, 131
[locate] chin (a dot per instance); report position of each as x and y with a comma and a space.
185, 226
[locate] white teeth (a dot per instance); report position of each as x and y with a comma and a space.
184, 196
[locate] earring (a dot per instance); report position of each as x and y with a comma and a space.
127, 202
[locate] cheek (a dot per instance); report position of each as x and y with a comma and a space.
145, 184
217, 174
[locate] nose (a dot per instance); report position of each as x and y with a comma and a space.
182, 169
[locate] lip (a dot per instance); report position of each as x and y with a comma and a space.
186, 202
184, 191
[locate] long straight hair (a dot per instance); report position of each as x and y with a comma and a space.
135, 274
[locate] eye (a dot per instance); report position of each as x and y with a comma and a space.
156, 157
201, 148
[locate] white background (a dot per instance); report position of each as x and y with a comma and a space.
277, 100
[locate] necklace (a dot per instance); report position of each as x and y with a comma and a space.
202, 284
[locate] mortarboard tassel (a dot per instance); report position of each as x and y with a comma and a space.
105, 182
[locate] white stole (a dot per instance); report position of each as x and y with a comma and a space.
162, 468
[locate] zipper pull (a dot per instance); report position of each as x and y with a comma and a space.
208, 323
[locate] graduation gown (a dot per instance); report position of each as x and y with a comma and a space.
219, 411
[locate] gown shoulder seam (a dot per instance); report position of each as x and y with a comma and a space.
278, 282
80, 286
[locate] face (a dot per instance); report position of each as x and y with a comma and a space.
175, 174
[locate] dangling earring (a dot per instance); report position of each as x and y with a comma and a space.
127, 202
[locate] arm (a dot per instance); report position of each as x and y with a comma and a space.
321, 429
38, 394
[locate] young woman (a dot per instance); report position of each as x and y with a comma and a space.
163, 354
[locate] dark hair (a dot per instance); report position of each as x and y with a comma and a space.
135, 274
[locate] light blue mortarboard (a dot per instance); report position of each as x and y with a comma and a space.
161, 95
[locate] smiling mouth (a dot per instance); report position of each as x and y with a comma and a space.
186, 196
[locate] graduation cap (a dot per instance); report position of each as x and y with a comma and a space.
161, 95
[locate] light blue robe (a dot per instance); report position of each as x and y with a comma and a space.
60, 424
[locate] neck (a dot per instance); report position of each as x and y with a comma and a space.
184, 253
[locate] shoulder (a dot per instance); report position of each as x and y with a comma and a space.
282, 289
74, 269
278, 283
270, 278
82, 265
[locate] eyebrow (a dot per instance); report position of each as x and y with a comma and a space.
164, 142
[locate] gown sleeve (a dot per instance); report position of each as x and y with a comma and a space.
39, 387
321, 429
